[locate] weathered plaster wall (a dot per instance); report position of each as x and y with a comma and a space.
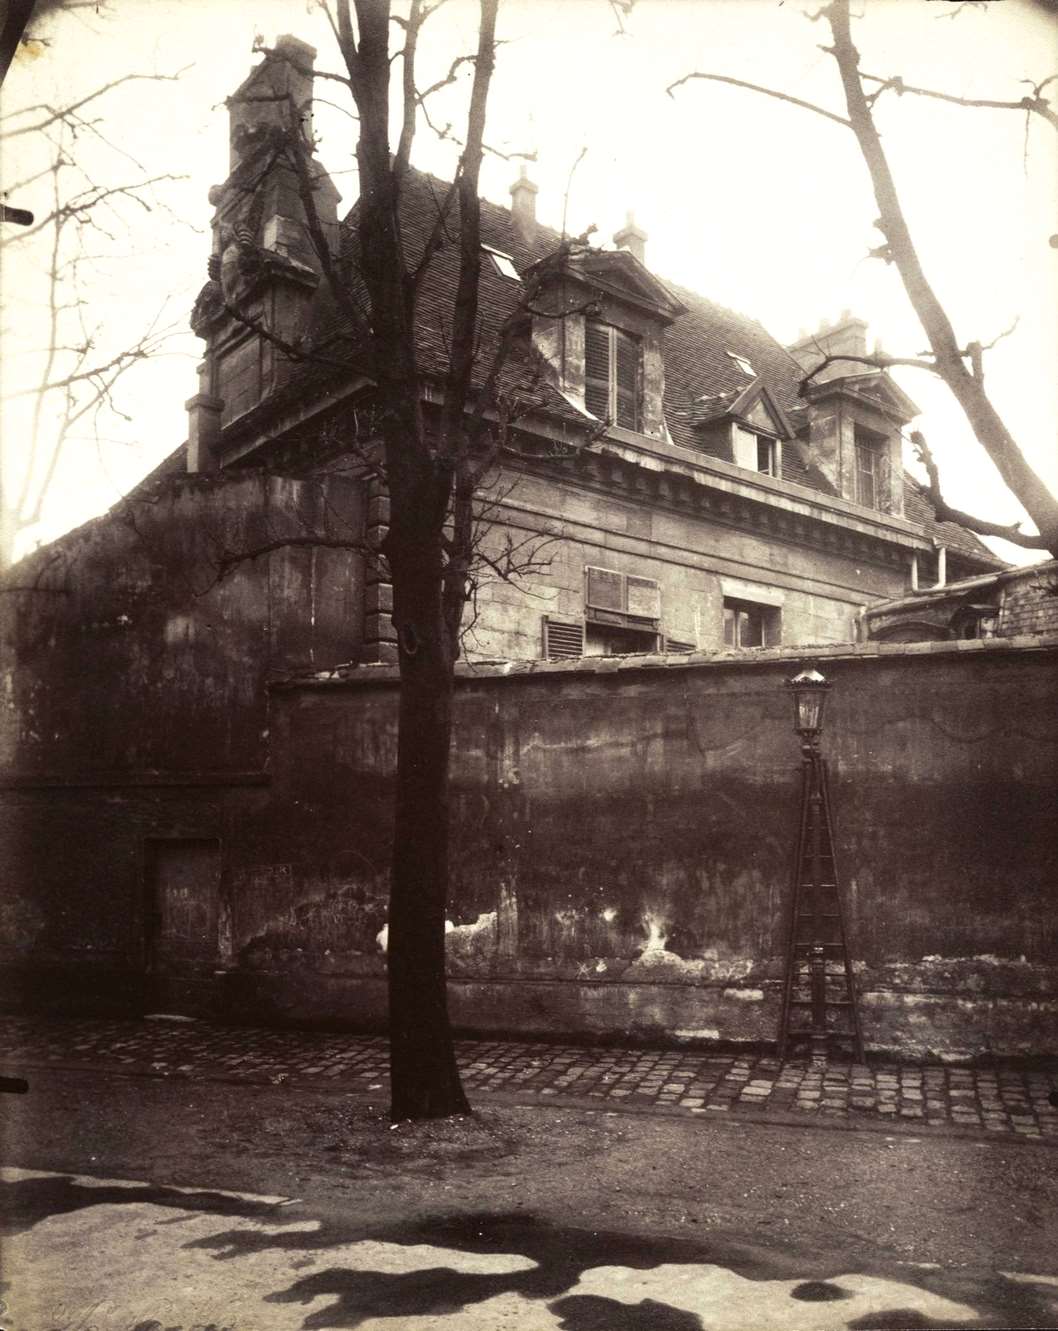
622, 840
623, 837
123, 652
688, 554
134, 705
74, 911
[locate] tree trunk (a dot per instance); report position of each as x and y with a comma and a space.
968, 390
424, 1077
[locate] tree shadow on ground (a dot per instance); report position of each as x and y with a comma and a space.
561, 1255
25, 1202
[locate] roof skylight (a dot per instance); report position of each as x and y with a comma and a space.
743, 364
503, 263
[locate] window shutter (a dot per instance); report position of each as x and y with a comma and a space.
606, 590
562, 640
627, 380
644, 597
597, 369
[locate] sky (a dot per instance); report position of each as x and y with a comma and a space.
756, 204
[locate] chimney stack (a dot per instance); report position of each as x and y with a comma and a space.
523, 206
632, 238
847, 337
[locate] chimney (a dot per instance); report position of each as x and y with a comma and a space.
847, 337
260, 205
632, 238
523, 206
260, 103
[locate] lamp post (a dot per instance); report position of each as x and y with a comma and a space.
817, 932
809, 689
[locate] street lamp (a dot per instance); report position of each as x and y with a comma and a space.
817, 930
809, 689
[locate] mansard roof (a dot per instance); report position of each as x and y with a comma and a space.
702, 345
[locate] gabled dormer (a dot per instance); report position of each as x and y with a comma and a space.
604, 342
748, 428
855, 417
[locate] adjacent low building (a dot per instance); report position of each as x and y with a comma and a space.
1013, 603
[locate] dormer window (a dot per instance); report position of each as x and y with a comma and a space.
766, 456
755, 451
611, 374
871, 456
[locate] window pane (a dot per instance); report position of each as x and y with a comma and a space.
866, 471
746, 625
766, 455
751, 628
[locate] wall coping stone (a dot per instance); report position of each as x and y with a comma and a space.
370, 674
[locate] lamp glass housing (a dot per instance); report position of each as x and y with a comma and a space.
809, 690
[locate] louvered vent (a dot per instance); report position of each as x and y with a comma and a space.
674, 645
562, 639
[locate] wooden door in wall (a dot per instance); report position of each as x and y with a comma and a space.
182, 921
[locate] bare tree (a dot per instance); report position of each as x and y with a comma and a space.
960, 367
438, 462
61, 379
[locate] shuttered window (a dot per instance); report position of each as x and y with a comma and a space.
611, 374
621, 598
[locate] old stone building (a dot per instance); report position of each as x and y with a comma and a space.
198, 727
675, 482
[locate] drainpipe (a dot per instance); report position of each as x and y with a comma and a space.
914, 570
942, 566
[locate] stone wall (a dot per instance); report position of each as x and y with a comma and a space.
623, 835
573, 524
623, 830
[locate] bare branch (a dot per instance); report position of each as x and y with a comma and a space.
765, 92
875, 362
54, 114
439, 232
1035, 104
81, 205
409, 96
946, 513
949, 358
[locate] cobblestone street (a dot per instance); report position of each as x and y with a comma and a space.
999, 1098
